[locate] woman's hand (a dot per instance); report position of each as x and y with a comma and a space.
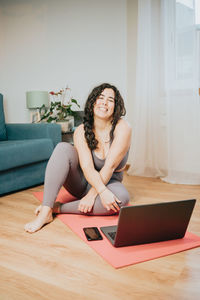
109, 200
86, 203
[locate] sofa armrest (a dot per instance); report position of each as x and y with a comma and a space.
34, 131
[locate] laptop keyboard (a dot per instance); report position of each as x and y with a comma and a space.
112, 235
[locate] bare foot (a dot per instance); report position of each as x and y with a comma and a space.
44, 216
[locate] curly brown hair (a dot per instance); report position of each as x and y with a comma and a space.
88, 120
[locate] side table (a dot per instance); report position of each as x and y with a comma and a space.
68, 137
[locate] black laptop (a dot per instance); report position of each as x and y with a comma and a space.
149, 223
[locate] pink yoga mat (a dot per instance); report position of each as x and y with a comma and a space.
124, 256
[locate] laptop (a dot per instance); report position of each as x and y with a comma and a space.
149, 223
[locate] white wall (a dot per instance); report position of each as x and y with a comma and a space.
48, 44
132, 19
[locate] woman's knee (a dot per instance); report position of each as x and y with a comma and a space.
62, 146
120, 192
64, 150
124, 198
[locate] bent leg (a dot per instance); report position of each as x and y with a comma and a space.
116, 187
63, 169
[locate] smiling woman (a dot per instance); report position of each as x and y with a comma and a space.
92, 170
105, 103
99, 93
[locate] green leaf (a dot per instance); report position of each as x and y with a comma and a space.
75, 101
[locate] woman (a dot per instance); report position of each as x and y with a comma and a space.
92, 169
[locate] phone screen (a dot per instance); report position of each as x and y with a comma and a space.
92, 233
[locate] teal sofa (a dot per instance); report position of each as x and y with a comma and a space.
24, 152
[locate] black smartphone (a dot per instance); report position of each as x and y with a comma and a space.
92, 233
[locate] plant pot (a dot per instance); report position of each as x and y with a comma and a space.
67, 125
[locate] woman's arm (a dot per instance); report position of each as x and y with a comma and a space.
117, 151
86, 161
119, 147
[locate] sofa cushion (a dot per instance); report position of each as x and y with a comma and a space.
3, 136
15, 153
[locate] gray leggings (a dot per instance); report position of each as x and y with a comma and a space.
63, 169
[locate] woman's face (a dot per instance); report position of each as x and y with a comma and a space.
105, 104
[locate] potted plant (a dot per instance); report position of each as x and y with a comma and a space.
60, 110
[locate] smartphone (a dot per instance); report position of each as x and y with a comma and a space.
92, 233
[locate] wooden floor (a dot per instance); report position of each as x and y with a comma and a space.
54, 263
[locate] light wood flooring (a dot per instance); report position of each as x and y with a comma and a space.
54, 263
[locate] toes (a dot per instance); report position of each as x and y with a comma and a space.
30, 227
27, 227
37, 224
